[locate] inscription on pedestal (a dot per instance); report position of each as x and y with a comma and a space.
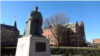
40, 47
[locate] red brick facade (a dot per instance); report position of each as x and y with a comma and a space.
96, 42
75, 36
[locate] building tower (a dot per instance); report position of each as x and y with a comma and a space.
15, 25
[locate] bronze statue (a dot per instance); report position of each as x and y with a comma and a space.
34, 23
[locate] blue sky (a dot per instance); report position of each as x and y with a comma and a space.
89, 11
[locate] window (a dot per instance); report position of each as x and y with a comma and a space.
48, 36
74, 35
51, 41
70, 35
71, 41
78, 35
70, 31
77, 29
15, 36
55, 41
83, 37
45, 31
51, 35
48, 30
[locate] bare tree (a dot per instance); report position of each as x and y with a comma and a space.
87, 42
56, 24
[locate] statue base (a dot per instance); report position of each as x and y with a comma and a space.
33, 46
38, 36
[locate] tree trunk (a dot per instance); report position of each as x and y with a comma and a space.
58, 44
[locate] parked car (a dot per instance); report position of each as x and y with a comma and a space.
90, 46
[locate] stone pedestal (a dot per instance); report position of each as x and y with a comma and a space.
33, 46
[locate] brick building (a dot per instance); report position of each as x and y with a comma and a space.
75, 36
96, 42
9, 35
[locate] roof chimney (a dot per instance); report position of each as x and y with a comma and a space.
55, 21
63, 23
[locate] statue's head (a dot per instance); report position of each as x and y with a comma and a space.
36, 8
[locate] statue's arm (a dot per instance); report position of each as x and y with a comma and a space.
30, 17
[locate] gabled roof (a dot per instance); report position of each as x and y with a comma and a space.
9, 27
70, 25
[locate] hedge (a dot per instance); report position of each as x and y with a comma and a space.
56, 51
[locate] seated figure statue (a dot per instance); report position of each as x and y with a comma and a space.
34, 23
